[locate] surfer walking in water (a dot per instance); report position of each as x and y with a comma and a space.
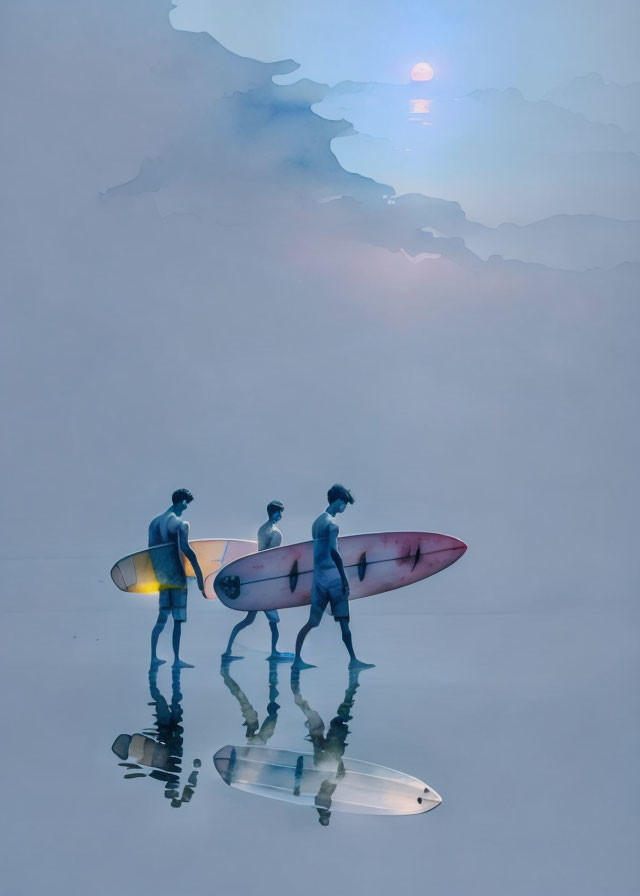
269, 536
330, 585
170, 528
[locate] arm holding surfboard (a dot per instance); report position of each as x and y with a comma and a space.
337, 559
189, 553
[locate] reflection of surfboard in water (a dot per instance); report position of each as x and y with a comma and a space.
159, 568
347, 785
143, 750
281, 577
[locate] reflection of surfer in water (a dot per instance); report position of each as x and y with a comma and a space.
327, 750
169, 528
269, 536
330, 585
256, 733
161, 747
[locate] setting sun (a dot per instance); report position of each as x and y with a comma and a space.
421, 71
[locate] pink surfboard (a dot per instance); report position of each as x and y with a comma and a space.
282, 577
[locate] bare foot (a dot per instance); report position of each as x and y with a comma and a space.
300, 664
180, 664
281, 657
358, 664
227, 658
156, 662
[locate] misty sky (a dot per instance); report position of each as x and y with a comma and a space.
512, 126
531, 46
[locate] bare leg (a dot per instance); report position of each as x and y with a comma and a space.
155, 634
275, 653
177, 632
354, 662
248, 619
298, 662
275, 634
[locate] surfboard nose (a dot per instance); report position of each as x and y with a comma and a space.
449, 549
224, 761
429, 799
120, 746
459, 545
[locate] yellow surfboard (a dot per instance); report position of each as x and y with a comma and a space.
161, 567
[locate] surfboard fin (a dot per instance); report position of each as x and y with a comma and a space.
362, 565
298, 775
230, 585
293, 576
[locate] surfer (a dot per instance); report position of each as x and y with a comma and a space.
330, 585
269, 536
169, 527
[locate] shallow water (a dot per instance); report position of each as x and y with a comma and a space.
513, 717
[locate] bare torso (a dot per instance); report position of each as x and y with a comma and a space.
269, 536
166, 528
325, 540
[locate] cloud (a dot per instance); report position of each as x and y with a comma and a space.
575, 242
503, 157
597, 100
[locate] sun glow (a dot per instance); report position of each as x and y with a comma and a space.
421, 71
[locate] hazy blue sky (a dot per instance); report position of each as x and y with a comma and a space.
499, 43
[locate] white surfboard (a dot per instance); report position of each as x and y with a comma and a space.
342, 785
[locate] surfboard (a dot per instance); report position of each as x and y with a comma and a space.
157, 568
140, 749
282, 577
343, 785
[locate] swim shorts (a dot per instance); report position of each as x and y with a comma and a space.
323, 593
175, 599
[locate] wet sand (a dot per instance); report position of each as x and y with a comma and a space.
522, 720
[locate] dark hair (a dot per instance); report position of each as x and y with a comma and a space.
272, 506
182, 494
339, 491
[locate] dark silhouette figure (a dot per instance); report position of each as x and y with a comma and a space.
256, 733
169, 528
269, 536
328, 749
160, 747
330, 585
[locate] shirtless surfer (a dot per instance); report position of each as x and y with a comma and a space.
170, 528
269, 536
330, 585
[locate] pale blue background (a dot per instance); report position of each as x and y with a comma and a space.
197, 294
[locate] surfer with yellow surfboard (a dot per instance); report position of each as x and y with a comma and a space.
169, 527
330, 584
